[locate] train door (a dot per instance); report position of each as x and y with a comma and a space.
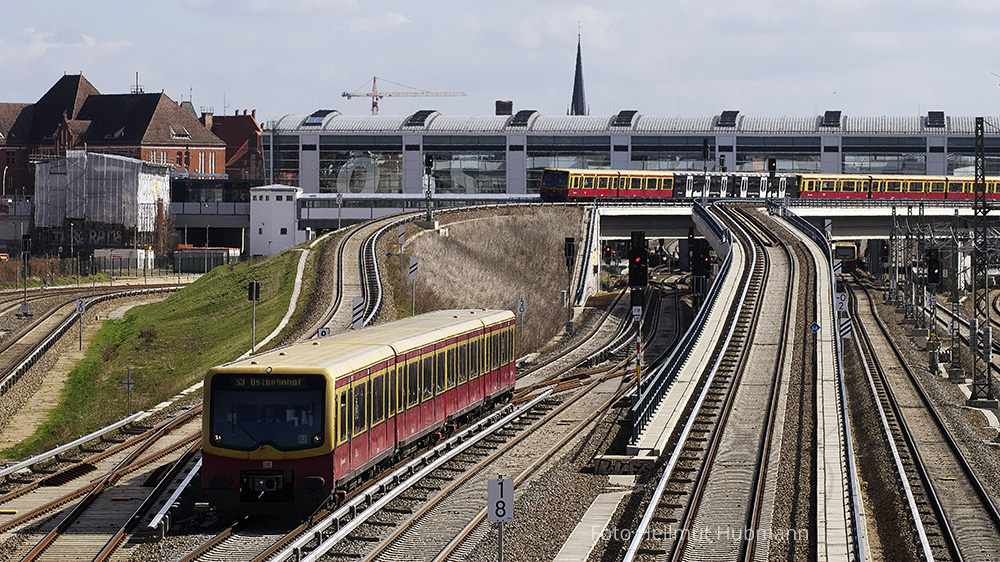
476, 393
377, 433
462, 370
342, 405
412, 395
359, 422
428, 415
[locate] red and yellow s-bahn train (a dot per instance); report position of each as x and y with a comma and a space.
285, 430
587, 185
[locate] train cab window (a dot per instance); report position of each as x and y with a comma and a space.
828, 185
463, 362
287, 412
360, 408
442, 370
937, 187
893, 186
847, 185
412, 383
428, 372
916, 187
378, 400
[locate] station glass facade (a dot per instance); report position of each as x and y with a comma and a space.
360, 164
507, 154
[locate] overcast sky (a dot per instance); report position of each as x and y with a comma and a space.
661, 57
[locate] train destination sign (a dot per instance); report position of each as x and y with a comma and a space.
269, 382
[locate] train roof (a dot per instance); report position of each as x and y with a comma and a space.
347, 352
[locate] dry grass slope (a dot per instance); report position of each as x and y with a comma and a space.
490, 259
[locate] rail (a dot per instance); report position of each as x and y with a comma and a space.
853, 496
23, 465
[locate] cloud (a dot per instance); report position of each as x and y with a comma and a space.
34, 45
380, 22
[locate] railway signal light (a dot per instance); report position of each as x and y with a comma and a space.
772, 165
933, 267
638, 267
428, 162
883, 253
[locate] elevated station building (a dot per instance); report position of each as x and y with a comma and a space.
327, 152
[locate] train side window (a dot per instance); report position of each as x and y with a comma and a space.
463, 362
893, 186
452, 369
668, 183
652, 183
602, 183
956, 187
378, 400
360, 408
474, 356
588, 183
428, 369
937, 187
413, 384
495, 352
865, 185
828, 185
441, 371
916, 186
847, 185
809, 185
391, 373
343, 414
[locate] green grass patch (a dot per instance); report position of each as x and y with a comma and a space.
168, 346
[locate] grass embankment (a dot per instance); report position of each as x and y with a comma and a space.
168, 346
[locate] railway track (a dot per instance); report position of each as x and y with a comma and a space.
722, 452
953, 515
55, 517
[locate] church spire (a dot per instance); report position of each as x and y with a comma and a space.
579, 104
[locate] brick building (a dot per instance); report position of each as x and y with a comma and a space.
74, 115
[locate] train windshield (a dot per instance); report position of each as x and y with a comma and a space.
555, 178
844, 252
284, 411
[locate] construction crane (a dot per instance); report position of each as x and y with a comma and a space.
376, 95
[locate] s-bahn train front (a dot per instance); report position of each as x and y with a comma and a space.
267, 447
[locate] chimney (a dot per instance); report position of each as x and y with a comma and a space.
206, 120
505, 107
253, 113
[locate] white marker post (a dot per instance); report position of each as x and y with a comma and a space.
81, 307
500, 505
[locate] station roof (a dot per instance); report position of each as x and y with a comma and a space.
629, 121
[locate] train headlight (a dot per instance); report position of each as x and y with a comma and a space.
216, 438
317, 439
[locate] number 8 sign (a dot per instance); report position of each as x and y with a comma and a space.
500, 500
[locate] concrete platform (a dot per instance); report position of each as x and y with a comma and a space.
592, 529
654, 440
